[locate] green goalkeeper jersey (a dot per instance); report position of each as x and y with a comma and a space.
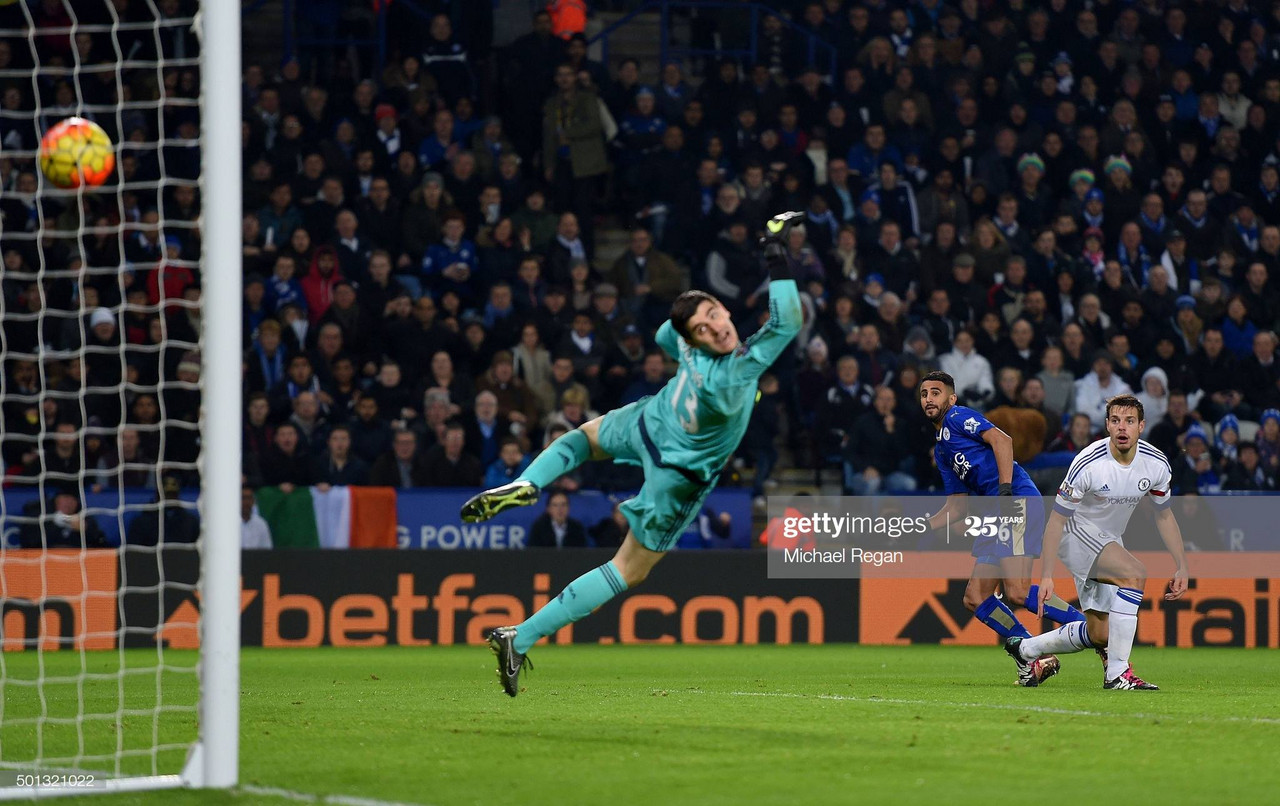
697, 419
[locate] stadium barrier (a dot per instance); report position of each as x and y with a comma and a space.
303, 598
1219, 609
425, 518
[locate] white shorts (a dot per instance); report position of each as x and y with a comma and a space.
1078, 551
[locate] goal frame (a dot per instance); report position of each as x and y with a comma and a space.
213, 759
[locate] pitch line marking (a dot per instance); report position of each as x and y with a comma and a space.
307, 797
1043, 709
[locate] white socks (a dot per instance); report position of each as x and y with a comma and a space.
1121, 630
1068, 638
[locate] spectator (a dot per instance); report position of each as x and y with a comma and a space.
1154, 394
575, 409
1219, 376
370, 434
972, 372
254, 531
311, 425
1194, 472
486, 428
511, 462
653, 376
447, 465
401, 466
554, 528
844, 402
647, 279
445, 58
573, 146
1247, 474
1077, 436
516, 401
1260, 372
60, 459
876, 458
452, 264
286, 464
129, 465
337, 465
584, 346
170, 520
65, 527
1096, 388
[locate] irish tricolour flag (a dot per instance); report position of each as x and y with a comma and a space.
337, 518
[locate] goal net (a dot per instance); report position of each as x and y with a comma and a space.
120, 401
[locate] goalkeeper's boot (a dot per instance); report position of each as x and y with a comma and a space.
485, 505
1031, 673
1129, 682
503, 643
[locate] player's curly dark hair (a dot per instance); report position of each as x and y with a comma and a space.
685, 306
1125, 402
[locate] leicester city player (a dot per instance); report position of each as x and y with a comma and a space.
681, 436
974, 456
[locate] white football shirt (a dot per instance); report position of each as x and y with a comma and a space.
1099, 494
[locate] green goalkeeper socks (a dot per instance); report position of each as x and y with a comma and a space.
558, 458
582, 595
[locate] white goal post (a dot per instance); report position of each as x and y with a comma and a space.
36, 729
219, 741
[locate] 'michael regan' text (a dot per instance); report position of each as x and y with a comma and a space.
842, 555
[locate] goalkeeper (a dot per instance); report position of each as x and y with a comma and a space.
681, 436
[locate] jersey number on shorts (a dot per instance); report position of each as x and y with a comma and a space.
686, 408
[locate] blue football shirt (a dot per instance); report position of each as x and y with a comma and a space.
967, 464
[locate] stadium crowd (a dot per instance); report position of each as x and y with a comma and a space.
1054, 203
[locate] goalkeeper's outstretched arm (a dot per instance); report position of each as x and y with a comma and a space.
786, 315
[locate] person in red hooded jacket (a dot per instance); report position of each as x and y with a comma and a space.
318, 285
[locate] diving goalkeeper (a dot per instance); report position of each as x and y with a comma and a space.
681, 436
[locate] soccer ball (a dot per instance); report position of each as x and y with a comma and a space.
76, 152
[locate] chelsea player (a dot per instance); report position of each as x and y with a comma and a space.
975, 457
681, 436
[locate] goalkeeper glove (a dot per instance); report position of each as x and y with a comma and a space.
775, 252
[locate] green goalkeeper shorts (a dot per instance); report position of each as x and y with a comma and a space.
670, 498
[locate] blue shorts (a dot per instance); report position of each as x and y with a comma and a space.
1022, 539
670, 498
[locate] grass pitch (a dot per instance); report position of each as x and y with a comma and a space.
712, 725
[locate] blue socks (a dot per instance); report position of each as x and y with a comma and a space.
1055, 607
578, 599
997, 615
558, 458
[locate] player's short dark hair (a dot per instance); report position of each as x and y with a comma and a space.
941, 377
685, 306
1125, 402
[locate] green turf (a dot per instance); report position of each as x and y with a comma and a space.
709, 725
